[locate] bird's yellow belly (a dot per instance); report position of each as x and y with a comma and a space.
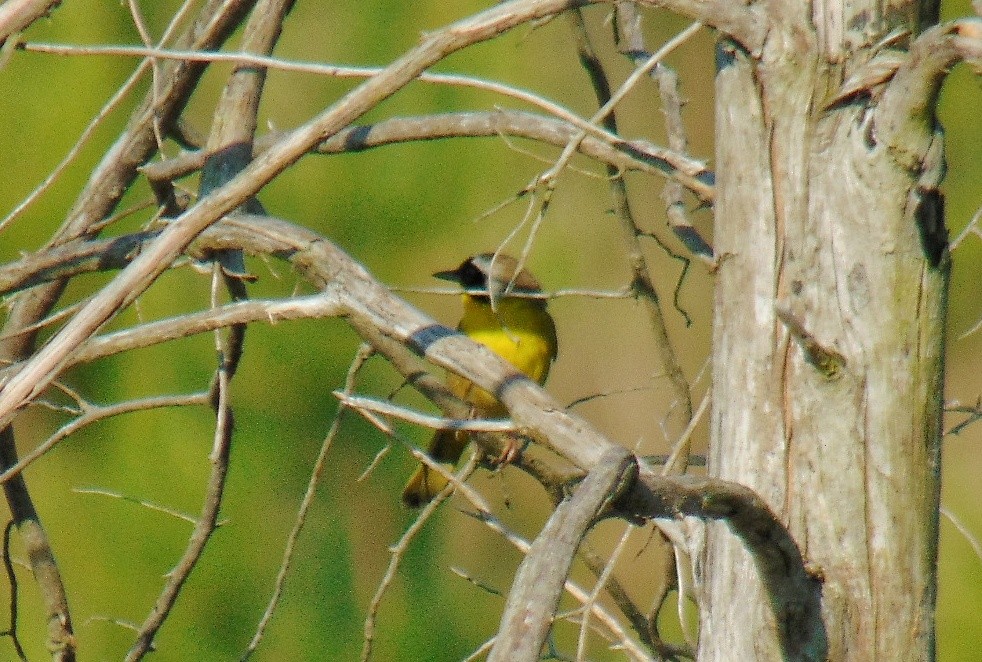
529, 352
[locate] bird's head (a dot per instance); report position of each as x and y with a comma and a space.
493, 274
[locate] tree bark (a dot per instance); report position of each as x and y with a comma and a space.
829, 338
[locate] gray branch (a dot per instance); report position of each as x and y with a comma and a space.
622, 154
539, 582
391, 324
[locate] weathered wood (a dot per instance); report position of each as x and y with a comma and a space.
833, 414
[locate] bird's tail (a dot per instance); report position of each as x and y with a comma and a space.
447, 446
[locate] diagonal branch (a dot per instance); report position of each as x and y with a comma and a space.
539, 582
45, 366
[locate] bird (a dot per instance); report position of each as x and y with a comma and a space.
517, 328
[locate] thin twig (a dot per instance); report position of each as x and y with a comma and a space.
972, 227
965, 531
363, 404
616, 631
317, 472
601, 584
91, 414
8, 566
149, 505
315, 306
206, 523
678, 220
398, 551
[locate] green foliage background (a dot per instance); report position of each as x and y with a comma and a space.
405, 212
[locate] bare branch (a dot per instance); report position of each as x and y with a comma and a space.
61, 638
317, 306
203, 529
149, 505
16, 15
678, 220
539, 581
8, 566
794, 589
642, 283
901, 117
363, 404
93, 414
602, 146
108, 182
46, 364
364, 353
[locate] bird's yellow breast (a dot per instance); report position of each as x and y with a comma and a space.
519, 330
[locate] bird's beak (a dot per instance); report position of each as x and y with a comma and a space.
453, 275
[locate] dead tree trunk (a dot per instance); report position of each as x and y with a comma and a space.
830, 307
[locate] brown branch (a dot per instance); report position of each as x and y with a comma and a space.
631, 42
229, 148
70, 259
154, 333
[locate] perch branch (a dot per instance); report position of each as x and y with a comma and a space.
375, 312
132, 281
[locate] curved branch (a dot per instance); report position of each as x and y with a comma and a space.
637, 155
904, 117
794, 589
539, 582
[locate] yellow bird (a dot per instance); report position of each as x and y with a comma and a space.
517, 328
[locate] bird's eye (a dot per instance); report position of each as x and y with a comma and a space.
471, 277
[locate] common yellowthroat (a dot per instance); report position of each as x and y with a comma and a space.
517, 328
